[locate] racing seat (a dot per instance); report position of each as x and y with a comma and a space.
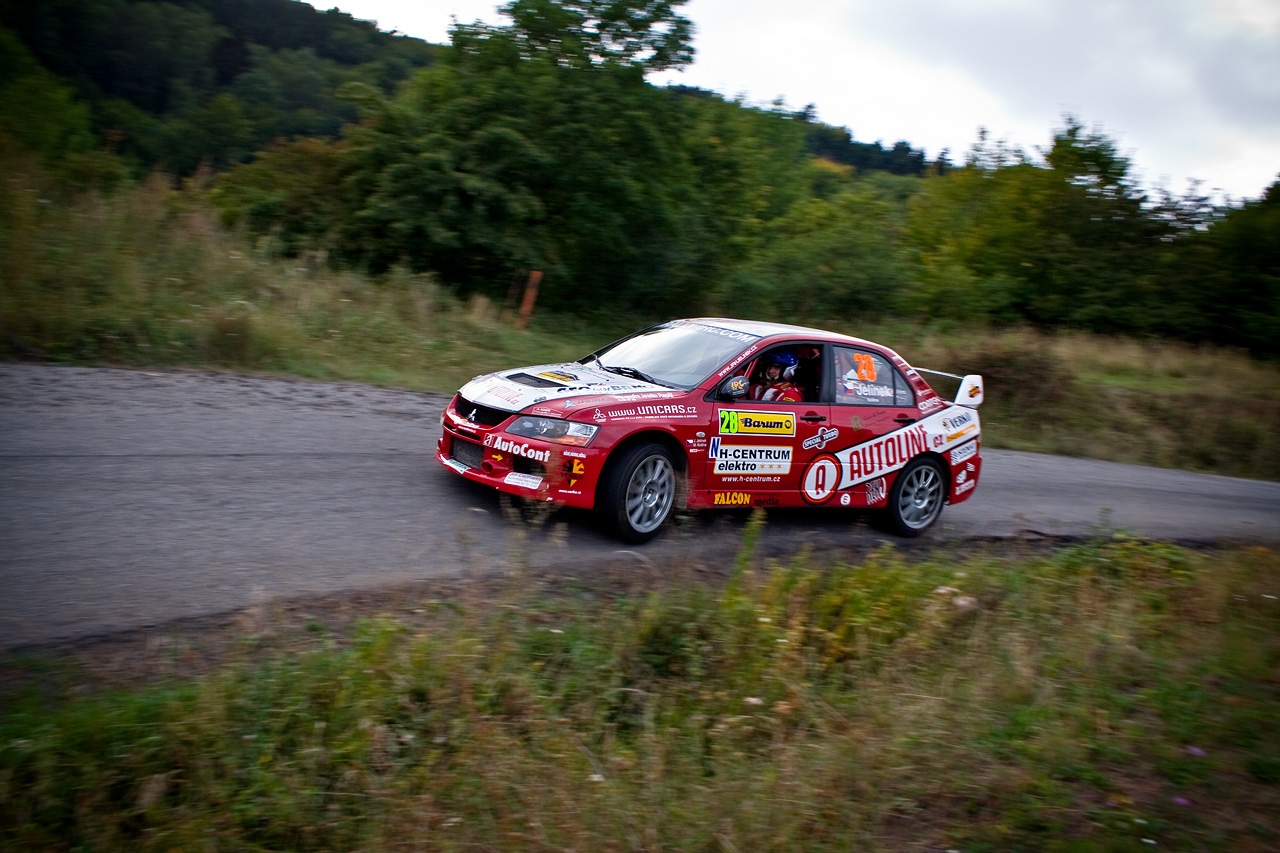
808, 376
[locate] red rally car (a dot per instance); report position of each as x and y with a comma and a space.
712, 412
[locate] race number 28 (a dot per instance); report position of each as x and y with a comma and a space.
866, 367
821, 478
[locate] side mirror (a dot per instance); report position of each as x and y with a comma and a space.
734, 388
970, 393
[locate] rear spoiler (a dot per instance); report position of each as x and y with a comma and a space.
970, 393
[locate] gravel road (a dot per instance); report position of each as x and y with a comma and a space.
130, 498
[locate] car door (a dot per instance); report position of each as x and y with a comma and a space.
870, 399
759, 448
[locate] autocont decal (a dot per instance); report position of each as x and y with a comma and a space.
734, 422
503, 446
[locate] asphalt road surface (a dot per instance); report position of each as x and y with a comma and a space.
131, 498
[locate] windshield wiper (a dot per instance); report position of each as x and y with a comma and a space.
633, 373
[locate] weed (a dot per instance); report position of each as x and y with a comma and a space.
1068, 701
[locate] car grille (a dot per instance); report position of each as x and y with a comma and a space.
529, 466
482, 415
467, 452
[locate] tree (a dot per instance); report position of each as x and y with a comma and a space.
37, 110
1063, 242
292, 190
1228, 278
583, 33
841, 257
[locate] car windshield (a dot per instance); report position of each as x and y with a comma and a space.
679, 354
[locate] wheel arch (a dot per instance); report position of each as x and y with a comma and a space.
649, 436
946, 469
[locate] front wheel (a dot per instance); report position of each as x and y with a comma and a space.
638, 492
916, 500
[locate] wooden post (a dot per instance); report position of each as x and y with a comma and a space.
530, 295
513, 293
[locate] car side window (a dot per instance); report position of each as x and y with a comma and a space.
868, 379
787, 374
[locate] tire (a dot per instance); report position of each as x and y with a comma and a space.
917, 497
639, 491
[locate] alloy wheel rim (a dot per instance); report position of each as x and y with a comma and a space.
921, 497
650, 493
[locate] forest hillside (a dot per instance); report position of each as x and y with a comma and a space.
539, 145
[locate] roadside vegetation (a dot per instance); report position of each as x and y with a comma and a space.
1115, 695
297, 192
148, 276
265, 187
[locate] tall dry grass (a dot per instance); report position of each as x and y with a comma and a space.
1162, 403
147, 276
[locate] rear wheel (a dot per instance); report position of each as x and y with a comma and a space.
916, 499
639, 492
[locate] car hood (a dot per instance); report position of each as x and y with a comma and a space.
550, 384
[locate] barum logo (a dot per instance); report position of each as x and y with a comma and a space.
756, 423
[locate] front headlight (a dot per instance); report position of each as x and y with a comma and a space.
553, 429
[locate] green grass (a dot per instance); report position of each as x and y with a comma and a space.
1087, 699
147, 277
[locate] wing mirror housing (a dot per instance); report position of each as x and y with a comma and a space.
970, 393
734, 388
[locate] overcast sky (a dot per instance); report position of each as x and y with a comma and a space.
1187, 88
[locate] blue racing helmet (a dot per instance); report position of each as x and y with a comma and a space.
783, 358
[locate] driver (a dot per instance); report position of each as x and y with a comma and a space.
776, 385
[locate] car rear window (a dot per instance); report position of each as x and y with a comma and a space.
868, 379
